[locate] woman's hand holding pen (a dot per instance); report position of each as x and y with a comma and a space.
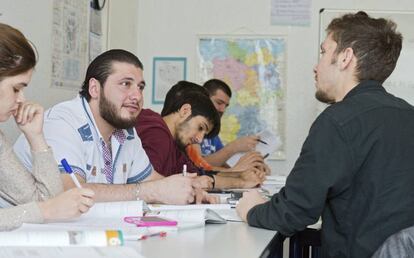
67, 205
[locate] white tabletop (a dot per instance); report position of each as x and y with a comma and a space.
234, 239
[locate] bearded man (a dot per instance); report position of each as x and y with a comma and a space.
95, 133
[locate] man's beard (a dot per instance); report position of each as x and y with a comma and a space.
180, 128
323, 97
108, 113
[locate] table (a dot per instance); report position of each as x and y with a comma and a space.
234, 239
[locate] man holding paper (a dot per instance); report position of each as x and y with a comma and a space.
94, 132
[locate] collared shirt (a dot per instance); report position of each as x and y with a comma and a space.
356, 169
210, 145
71, 131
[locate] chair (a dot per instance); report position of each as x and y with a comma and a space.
301, 245
401, 244
275, 247
305, 242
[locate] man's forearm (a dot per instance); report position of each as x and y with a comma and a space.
220, 157
147, 191
223, 182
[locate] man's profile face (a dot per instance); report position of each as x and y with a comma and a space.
191, 131
326, 72
121, 98
221, 101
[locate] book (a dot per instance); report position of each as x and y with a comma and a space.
62, 238
190, 215
68, 252
101, 217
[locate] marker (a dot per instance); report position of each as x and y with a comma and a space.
184, 170
68, 170
262, 141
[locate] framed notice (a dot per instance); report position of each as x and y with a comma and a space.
166, 72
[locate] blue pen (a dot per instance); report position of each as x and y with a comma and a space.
68, 170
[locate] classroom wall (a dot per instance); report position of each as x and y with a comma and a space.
34, 19
170, 28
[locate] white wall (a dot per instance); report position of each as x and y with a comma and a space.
34, 19
170, 28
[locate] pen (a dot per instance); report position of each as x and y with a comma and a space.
143, 237
184, 170
262, 141
266, 155
68, 170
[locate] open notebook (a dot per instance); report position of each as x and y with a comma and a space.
189, 216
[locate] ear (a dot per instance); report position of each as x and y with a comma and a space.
185, 111
346, 58
94, 88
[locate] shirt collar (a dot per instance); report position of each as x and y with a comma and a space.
364, 86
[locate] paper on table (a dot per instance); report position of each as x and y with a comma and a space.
273, 143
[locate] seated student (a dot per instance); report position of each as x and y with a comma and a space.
31, 195
212, 149
187, 118
95, 133
356, 167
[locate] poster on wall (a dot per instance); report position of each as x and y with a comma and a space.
166, 72
69, 43
255, 70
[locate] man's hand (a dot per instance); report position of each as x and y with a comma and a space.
248, 201
203, 182
252, 178
203, 197
176, 189
244, 144
248, 161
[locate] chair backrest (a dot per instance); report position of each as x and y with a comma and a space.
401, 245
304, 243
275, 247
